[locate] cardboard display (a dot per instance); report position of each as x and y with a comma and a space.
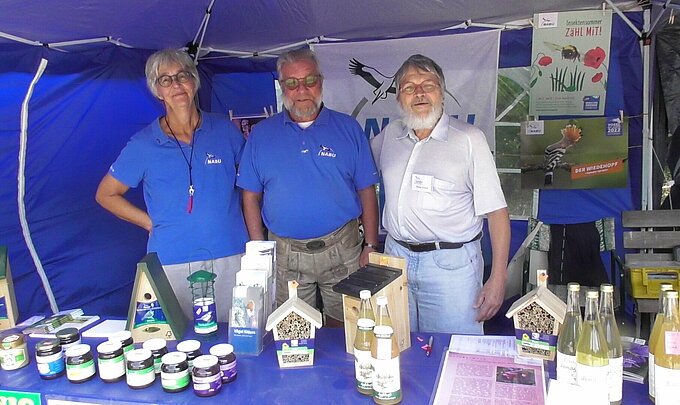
154, 310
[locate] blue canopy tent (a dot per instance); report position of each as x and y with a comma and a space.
60, 130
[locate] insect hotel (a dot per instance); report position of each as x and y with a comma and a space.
537, 317
294, 323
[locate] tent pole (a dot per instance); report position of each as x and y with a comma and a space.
625, 19
19, 39
202, 29
21, 189
647, 135
658, 17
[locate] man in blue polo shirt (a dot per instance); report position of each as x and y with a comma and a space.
308, 174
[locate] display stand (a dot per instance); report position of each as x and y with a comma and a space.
8, 303
154, 310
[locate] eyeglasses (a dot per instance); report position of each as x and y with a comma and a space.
426, 87
293, 83
180, 77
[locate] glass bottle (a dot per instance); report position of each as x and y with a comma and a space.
568, 336
654, 335
667, 357
611, 334
592, 358
365, 308
385, 358
383, 317
363, 367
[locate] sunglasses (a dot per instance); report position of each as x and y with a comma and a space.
292, 83
180, 77
426, 87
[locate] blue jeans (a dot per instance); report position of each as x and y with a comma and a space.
443, 286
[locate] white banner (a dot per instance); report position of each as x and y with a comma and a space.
359, 77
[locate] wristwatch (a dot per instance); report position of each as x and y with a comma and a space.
370, 245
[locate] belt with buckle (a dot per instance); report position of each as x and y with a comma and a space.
427, 247
315, 244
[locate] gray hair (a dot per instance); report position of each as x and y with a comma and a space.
297, 55
166, 56
420, 62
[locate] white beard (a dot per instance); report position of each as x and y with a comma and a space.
414, 122
302, 113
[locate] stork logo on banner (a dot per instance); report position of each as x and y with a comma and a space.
383, 85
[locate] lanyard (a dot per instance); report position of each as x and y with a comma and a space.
189, 161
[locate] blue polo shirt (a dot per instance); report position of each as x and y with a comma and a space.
309, 177
215, 227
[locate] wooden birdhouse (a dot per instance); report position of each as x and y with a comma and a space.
294, 324
537, 317
8, 302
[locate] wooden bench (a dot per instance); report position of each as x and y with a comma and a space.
659, 229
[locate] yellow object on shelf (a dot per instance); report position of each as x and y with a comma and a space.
646, 281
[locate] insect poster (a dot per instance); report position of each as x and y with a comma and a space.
569, 63
577, 153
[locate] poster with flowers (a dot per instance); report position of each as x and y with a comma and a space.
569, 65
576, 153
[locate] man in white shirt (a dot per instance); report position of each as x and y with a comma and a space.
440, 180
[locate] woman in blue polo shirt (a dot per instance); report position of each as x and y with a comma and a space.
186, 161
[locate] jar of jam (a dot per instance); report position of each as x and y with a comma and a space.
227, 360
192, 348
80, 364
68, 337
125, 338
14, 352
111, 361
139, 369
175, 375
158, 348
50, 359
207, 378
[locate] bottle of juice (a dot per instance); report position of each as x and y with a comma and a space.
365, 308
385, 358
667, 357
613, 338
383, 316
653, 337
592, 353
568, 337
363, 367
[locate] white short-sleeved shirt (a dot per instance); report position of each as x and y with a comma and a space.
438, 188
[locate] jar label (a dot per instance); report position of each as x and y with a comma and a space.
228, 370
173, 381
615, 379
50, 365
592, 376
386, 379
672, 342
208, 385
157, 363
566, 368
650, 374
363, 370
13, 358
666, 387
110, 369
77, 372
136, 378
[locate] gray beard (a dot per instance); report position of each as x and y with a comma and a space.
302, 113
414, 122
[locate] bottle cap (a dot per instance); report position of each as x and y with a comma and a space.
381, 300
109, 346
665, 286
365, 294
365, 323
77, 350
188, 345
47, 345
205, 361
122, 335
222, 349
67, 333
383, 331
592, 294
173, 358
670, 294
606, 288
154, 344
574, 287
139, 355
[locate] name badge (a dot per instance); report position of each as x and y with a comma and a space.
421, 182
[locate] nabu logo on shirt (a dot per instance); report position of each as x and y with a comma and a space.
211, 159
326, 151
